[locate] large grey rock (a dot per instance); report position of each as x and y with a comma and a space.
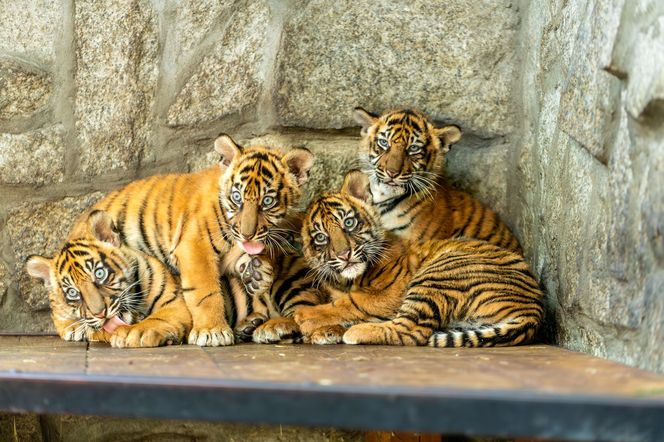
228, 80
192, 21
430, 55
36, 157
22, 91
116, 80
40, 228
591, 94
29, 29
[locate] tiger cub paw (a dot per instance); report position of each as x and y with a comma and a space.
245, 328
75, 333
332, 334
138, 336
211, 337
394, 332
277, 330
256, 274
311, 318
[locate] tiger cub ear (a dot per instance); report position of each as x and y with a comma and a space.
299, 161
39, 267
448, 135
365, 118
103, 228
227, 148
356, 184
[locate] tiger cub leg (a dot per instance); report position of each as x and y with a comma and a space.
322, 323
245, 328
414, 323
165, 326
288, 301
204, 297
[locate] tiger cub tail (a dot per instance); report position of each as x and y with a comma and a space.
514, 332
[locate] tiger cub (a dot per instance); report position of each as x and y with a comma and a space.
188, 222
404, 152
102, 290
257, 190
447, 293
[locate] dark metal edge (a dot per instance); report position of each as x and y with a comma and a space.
448, 412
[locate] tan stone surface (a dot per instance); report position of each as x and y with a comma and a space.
22, 91
36, 157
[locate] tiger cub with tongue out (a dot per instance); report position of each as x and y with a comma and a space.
102, 290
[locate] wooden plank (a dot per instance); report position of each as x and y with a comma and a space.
174, 361
537, 391
537, 369
21, 354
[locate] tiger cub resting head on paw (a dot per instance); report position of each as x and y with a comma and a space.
447, 293
102, 290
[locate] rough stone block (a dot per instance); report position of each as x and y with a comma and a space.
29, 30
40, 228
430, 55
22, 90
116, 80
191, 22
591, 94
230, 79
35, 157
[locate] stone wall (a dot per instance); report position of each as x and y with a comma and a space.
587, 189
96, 94
561, 105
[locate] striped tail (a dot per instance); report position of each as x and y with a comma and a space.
514, 332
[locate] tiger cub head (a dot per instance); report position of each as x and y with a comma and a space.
401, 150
92, 279
341, 232
257, 189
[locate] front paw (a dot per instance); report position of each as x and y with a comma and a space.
211, 337
311, 318
256, 274
139, 336
245, 328
277, 330
332, 334
75, 333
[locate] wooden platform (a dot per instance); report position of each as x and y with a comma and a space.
535, 391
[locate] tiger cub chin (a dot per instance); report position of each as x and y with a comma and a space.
445, 293
403, 154
102, 290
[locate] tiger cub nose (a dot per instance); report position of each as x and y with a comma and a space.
100, 315
345, 255
391, 172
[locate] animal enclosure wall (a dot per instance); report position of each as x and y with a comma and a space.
562, 124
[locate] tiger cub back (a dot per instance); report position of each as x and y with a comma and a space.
102, 290
445, 293
403, 154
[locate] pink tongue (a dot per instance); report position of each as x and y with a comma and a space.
253, 247
113, 323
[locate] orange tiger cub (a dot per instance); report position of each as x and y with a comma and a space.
404, 154
445, 293
102, 290
183, 220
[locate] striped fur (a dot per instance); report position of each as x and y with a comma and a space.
445, 293
95, 280
257, 191
403, 153
185, 221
